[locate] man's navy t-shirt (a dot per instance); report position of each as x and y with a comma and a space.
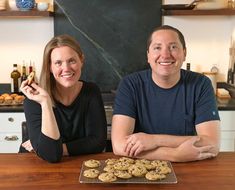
173, 111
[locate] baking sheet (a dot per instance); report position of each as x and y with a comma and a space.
170, 178
11, 104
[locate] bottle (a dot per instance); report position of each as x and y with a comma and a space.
15, 79
23, 73
188, 67
30, 67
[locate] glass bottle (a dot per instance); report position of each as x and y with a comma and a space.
23, 73
30, 67
15, 79
188, 67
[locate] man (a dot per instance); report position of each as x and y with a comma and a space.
166, 112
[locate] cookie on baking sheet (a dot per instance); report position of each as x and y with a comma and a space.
92, 163
163, 170
159, 163
137, 170
91, 173
111, 161
126, 160
153, 175
145, 163
109, 168
121, 166
122, 174
107, 177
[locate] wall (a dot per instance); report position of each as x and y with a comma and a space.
23, 39
208, 39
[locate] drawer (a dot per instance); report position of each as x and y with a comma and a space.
10, 145
11, 122
227, 141
227, 120
10, 137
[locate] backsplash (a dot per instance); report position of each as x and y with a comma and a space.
112, 34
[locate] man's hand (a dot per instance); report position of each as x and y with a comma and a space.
139, 142
187, 151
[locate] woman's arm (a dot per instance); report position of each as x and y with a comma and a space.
43, 130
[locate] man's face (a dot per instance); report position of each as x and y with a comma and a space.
166, 54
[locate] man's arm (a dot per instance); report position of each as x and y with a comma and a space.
165, 147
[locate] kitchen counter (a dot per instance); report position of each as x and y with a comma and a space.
226, 104
26, 171
223, 104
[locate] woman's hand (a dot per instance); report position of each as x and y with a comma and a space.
28, 146
34, 92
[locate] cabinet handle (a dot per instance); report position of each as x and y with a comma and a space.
11, 119
11, 138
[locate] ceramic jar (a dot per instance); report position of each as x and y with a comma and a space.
25, 5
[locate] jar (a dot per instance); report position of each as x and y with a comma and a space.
25, 5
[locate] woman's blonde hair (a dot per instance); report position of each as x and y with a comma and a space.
47, 80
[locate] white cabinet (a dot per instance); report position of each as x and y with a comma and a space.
227, 130
11, 131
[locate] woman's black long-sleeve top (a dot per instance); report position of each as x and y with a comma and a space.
82, 125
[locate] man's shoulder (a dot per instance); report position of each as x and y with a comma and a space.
193, 77
138, 76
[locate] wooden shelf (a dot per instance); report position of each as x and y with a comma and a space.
32, 13
215, 12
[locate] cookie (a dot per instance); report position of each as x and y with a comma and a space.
107, 177
91, 173
163, 170
122, 174
146, 163
111, 161
153, 175
126, 160
121, 166
109, 168
159, 163
92, 163
137, 170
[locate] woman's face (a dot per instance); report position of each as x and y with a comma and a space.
166, 54
65, 66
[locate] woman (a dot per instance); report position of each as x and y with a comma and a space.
64, 115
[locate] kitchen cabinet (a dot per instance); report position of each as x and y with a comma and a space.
227, 131
11, 131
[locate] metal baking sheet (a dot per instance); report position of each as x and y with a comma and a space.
170, 179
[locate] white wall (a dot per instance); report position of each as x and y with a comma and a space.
23, 39
208, 39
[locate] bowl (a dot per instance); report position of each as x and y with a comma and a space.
42, 6
25, 5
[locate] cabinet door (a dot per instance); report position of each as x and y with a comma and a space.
11, 131
11, 122
227, 130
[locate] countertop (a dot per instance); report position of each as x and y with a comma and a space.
26, 171
223, 105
